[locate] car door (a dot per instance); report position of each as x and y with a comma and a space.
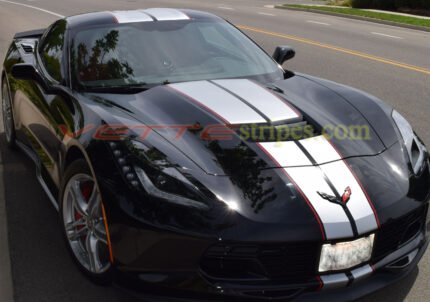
43, 115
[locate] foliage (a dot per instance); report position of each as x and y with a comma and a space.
361, 3
391, 4
92, 65
346, 3
364, 13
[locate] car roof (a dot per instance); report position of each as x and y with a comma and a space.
140, 15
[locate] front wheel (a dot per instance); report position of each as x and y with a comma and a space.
83, 221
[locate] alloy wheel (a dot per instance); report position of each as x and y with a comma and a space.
84, 223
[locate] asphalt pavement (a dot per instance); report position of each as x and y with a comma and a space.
389, 62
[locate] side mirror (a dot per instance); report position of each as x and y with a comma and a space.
283, 53
23, 71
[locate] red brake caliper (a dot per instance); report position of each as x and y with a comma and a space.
86, 189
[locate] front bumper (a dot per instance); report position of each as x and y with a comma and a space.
389, 270
187, 284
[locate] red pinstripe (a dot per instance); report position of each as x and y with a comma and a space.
279, 98
320, 282
359, 183
298, 189
201, 105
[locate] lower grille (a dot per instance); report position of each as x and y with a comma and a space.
287, 262
397, 232
297, 262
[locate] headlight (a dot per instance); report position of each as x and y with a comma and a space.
344, 255
416, 150
165, 180
148, 169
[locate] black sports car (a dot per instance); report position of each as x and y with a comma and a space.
180, 155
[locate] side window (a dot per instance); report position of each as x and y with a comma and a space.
51, 50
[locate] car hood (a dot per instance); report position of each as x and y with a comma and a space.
273, 190
192, 117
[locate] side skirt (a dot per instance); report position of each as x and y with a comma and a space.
39, 176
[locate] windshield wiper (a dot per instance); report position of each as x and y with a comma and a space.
132, 88
128, 88
274, 87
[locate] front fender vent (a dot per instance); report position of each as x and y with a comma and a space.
28, 48
397, 232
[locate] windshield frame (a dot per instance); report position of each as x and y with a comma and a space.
76, 84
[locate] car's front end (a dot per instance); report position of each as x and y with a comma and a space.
246, 225
241, 258
221, 175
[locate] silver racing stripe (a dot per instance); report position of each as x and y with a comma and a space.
166, 14
334, 281
270, 105
287, 154
362, 272
215, 99
320, 149
341, 176
149, 15
341, 279
309, 179
131, 16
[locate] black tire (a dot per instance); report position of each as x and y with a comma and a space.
80, 167
6, 103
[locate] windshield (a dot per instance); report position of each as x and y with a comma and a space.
166, 52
